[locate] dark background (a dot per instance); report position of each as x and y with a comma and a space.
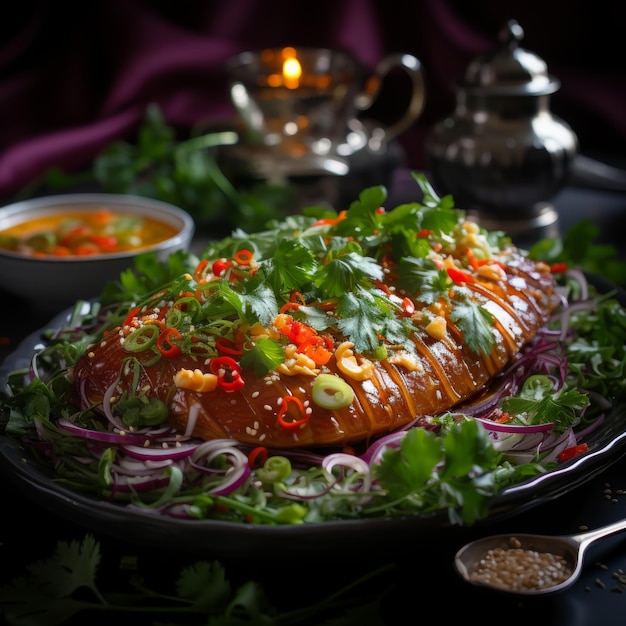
75, 76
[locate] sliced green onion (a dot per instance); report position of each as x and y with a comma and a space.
142, 338
332, 392
275, 469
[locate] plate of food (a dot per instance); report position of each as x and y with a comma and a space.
341, 377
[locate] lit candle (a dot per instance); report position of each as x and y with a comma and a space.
292, 70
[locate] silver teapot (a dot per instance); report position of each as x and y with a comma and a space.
502, 154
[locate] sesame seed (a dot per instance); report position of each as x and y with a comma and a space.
516, 568
267, 407
255, 394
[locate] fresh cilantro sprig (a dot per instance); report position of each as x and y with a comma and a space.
578, 249
459, 468
597, 354
184, 171
66, 586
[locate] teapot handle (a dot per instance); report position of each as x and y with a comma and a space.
413, 68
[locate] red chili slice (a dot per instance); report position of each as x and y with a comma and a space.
243, 257
408, 307
283, 416
225, 346
257, 457
220, 266
228, 373
165, 342
571, 452
460, 277
130, 316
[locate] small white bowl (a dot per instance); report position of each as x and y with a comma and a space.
55, 282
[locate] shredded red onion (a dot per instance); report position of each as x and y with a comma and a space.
115, 436
173, 453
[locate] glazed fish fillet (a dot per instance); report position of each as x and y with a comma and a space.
335, 331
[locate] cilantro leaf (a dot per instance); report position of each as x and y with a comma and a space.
362, 318
468, 449
420, 276
362, 216
205, 585
75, 566
47, 595
346, 272
259, 302
265, 355
475, 322
407, 469
563, 408
291, 266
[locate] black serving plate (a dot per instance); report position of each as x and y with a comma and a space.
227, 539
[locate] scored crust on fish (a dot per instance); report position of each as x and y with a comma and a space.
409, 322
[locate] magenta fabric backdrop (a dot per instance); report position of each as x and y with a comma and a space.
75, 76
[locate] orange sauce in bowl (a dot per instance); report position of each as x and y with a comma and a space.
84, 233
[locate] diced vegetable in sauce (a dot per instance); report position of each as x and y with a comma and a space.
84, 233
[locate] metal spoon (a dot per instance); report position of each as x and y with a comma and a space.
571, 548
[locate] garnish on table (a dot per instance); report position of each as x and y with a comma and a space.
447, 462
185, 172
578, 249
66, 586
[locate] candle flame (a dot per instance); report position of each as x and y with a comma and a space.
292, 70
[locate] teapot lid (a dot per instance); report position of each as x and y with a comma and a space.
509, 69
